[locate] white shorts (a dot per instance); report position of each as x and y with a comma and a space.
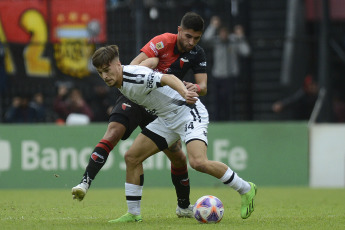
188, 123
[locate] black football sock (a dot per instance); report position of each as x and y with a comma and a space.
179, 177
97, 159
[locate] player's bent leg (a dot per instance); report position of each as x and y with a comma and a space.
198, 160
98, 157
197, 156
180, 179
142, 148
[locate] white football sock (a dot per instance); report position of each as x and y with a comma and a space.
135, 192
231, 179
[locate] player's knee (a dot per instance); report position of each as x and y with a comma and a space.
198, 165
131, 160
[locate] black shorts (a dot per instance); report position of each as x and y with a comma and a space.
130, 115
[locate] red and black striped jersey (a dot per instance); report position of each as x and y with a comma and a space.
171, 61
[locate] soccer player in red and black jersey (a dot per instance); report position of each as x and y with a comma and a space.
177, 54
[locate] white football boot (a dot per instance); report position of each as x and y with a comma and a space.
80, 191
185, 212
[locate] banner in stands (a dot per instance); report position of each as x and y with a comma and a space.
52, 156
43, 35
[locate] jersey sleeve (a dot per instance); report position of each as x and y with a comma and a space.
153, 80
200, 64
154, 47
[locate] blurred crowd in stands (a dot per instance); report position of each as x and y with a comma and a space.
69, 106
300, 102
226, 44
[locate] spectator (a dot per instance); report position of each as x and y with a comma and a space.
37, 103
227, 50
302, 101
20, 111
71, 102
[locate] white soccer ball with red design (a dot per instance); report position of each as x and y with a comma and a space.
208, 209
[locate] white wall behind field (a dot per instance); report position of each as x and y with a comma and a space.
327, 155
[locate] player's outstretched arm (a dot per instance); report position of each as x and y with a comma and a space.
150, 62
139, 59
175, 83
143, 60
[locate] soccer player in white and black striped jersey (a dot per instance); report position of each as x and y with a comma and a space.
180, 115
178, 54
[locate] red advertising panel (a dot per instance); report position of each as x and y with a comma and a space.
81, 19
29, 26
13, 18
73, 31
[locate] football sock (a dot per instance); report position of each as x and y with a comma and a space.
231, 179
179, 177
97, 159
133, 197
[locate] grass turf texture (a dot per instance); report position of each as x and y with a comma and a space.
276, 208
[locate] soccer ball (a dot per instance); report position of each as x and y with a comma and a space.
208, 209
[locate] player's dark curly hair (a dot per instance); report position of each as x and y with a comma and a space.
104, 55
192, 20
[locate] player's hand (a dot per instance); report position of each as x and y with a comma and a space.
191, 97
191, 87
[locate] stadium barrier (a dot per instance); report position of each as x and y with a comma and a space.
327, 155
52, 156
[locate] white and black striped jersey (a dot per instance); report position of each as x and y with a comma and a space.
142, 86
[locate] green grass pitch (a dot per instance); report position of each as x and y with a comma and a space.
276, 208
